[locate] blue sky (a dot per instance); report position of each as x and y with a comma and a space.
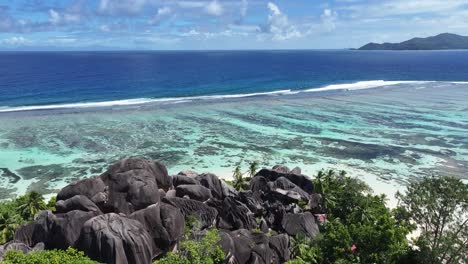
222, 24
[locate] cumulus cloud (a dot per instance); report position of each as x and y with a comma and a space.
279, 26
214, 8
56, 18
243, 8
15, 41
126, 7
163, 13
329, 18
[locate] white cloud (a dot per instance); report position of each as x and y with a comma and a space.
15, 41
115, 7
105, 28
214, 8
54, 17
328, 19
162, 14
62, 40
244, 6
71, 18
279, 26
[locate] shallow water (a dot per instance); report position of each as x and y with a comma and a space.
385, 135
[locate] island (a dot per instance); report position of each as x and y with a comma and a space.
445, 41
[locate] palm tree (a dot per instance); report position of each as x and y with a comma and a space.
239, 181
253, 169
31, 204
9, 222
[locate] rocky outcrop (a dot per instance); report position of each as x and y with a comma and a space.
135, 212
300, 180
112, 238
165, 223
243, 246
195, 192
302, 223
205, 214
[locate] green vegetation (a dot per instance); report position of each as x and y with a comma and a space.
359, 228
196, 250
439, 206
240, 182
69, 256
19, 211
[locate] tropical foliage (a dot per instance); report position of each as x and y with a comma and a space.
17, 212
69, 256
194, 249
439, 206
359, 228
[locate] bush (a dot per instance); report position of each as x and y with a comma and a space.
359, 228
203, 251
69, 256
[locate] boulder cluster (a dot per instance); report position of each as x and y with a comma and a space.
135, 212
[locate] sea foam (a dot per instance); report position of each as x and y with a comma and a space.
140, 101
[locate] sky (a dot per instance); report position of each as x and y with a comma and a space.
222, 24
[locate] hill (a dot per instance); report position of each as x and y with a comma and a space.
443, 41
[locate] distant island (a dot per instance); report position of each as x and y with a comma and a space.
445, 41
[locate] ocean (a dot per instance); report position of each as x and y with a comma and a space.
386, 117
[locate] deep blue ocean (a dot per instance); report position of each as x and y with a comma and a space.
51, 78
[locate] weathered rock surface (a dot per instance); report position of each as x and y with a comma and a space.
112, 238
182, 179
195, 192
165, 223
202, 212
300, 180
242, 246
304, 223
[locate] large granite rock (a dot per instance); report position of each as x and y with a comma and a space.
304, 223
258, 184
165, 223
205, 214
236, 215
115, 239
132, 184
301, 181
285, 184
87, 187
77, 202
195, 192
156, 169
182, 179
214, 184
127, 186
242, 246
59, 230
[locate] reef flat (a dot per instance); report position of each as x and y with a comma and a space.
385, 136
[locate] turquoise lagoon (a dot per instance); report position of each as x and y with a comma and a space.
385, 136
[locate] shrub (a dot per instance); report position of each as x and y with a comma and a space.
359, 228
202, 251
69, 256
